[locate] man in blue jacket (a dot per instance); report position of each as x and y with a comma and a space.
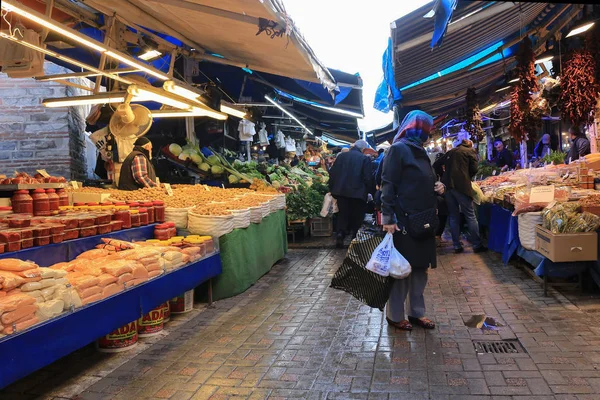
350, 182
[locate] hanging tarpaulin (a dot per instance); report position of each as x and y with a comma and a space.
387, 92
442, 13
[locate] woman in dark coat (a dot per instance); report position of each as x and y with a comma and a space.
409, 186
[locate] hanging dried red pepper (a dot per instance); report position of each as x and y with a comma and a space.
473, 116
580, 88
524, 122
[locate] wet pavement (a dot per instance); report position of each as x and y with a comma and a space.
291, 336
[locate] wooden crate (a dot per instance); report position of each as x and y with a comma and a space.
321, 227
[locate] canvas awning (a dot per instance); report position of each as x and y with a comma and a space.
255, 34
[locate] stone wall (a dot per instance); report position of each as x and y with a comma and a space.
33, 136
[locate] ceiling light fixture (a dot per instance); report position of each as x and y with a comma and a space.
229, 109
503, 89
488, 108
72, 34
581, 29
115, 97
178, 88
276, 104
195, 112
150, 55
514, 80
149, 93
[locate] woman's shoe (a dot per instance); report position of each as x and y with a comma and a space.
403, 325
422, 322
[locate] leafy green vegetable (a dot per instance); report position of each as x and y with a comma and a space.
555, 157
304, 203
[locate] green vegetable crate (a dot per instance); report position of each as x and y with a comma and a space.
321, 227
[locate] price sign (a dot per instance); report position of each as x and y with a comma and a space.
158, 181
75, 185
169, 190
206, 188
542, 194
494, 173
43, 173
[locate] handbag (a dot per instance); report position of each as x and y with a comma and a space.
421, 225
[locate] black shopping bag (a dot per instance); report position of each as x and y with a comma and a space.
352, 277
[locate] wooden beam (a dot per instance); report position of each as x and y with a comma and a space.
82, 74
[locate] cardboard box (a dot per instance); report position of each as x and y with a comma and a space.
89, 197
566, 247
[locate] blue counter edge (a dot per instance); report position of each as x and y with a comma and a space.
45, 343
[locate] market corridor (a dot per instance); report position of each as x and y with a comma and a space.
290, 336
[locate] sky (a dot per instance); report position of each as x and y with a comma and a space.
352, 36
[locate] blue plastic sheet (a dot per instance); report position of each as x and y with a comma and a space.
443, 14
387, 92
46, 256
33, 349
499, 227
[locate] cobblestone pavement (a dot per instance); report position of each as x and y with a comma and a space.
290, 336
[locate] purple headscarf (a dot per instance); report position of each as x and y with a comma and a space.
416, 126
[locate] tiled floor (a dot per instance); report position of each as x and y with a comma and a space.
291, 336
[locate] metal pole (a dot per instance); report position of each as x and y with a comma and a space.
107, 36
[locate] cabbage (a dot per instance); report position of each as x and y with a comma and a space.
196, 158
175, 149
216, 170
204, 167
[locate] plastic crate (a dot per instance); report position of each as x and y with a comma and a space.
321, 227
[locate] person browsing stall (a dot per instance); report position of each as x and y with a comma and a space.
137, 171
580, 145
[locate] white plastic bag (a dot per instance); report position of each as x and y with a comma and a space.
329, 206
399, 266
380, 261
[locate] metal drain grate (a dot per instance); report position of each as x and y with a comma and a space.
498, 347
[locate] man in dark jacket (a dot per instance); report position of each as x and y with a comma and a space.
580, 145
504, 159
461, 167
350, 182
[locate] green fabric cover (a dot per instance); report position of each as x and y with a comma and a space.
247, 254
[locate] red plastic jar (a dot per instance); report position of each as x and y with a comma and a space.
172, 229
116, 225
123, 216
71, 234
5, 211
53, 199
13, 246
41, 241
19, 222
159, 211
58, 238
63, 197
149, 206
22, 202
143, 217
104, 229
26, 233
27, 243
92, 204
162, 232
135, 220
41, 203
119, 203
88, 231
2, 247
133, 204
41, 230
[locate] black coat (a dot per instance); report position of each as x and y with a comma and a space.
351, 175
579, 148
408, 185
461, 167
504, 158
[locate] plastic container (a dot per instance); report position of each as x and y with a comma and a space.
63, 197
162, 232
71, 234
119, 340
27, 243
41, 241
53, 199
41, 203
103, 219
209, 244
2, 247
6, 211
149, 206
116, 226
40, 231
58, 238
152, 323
144, 219
182, 304
68, 222
10, 236
88, 231
22, 202
13, 246
135, 218
104, 229
159, 211
133, 204
167, 312
124, 216
92, 204
26, 233
172, 228
86, 220
19, 222
56, 229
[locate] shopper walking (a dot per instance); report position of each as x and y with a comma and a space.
442, 207
580, 145
409, 190
461, 167
350, 182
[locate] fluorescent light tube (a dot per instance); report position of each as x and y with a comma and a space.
150, 55
580, 29
48, 23
544, 59
118, 97
132, 63
151, 94
514, 80
194, 112
276, 104
172, 87
232, 111
503, 89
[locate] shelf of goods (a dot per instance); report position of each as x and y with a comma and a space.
32, 186
27, 351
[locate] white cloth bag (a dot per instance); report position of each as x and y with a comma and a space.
329, 206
